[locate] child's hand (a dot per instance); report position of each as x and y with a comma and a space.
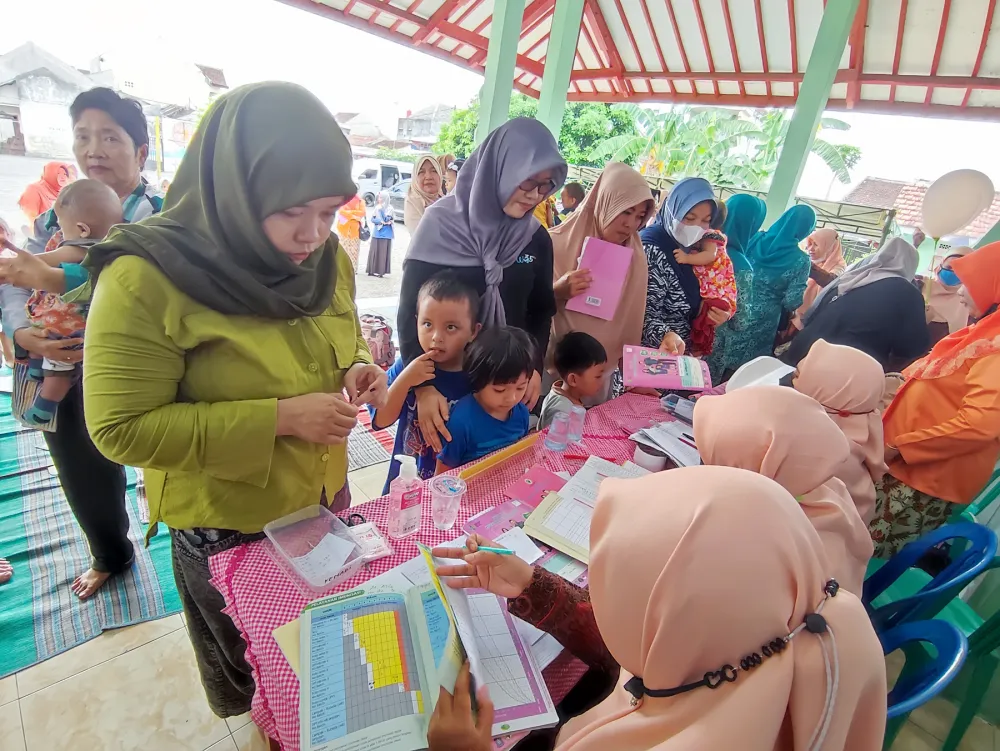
419, 371
680, 256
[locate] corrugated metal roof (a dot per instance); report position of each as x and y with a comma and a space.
904, 57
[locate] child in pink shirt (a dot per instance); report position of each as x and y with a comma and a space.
716, 282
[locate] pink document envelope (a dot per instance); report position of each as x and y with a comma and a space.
608, 264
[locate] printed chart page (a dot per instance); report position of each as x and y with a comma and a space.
365, 662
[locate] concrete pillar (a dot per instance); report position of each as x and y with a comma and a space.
494, 98
567, 21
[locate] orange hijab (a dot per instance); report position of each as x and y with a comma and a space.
829, 257
697, 568
788, 437
618, 188
849, 384
39, 196
980, 274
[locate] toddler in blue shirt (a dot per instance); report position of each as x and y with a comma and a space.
447, 320
499, 364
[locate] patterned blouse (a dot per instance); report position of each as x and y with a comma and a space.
667, 307
558, 607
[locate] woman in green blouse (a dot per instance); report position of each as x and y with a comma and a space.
220, 337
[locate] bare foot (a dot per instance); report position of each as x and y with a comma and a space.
6, 570
89, 582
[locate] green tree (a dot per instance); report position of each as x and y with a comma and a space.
727, 147
584, 126
395, 155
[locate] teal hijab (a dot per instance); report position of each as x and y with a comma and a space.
744, 216
777, 250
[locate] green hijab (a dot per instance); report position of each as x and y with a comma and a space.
259, 149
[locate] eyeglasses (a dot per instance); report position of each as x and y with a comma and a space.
544, 187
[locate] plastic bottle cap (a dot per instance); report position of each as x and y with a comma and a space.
407, 467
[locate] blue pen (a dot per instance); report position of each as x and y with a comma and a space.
498, 551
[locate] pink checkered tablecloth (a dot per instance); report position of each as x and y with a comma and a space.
260, 596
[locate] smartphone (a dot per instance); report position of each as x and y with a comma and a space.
679, 407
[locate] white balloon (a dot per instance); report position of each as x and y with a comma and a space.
954, 200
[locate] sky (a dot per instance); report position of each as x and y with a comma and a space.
352, 71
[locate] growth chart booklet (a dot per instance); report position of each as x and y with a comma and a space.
643, 367
372, 659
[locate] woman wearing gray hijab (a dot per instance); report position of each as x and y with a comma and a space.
484, 233
874, 307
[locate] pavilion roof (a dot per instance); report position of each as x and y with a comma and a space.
906, 57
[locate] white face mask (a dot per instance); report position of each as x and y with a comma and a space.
686, 234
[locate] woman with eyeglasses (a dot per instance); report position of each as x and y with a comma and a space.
484, 232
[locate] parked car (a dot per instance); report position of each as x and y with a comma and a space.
373, 176
397, 199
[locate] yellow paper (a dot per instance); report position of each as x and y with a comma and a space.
563, 523
499, 458
287, 637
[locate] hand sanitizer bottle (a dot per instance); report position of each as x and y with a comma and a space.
405, 497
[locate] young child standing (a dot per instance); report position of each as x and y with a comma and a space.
86, 210
716, 282
499, 364
581, 362
447, 320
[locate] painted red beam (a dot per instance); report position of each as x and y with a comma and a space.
944, 82
403, 15
987, 25
793, 42
732, 43
482, 44
431, 24
857, 57
945, 12
704, 40
534, 14
595, 19
590, 74
762, 41
340, 16
900, 27
680, 42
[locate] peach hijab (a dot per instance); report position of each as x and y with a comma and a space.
697, 568
849, 384
829, 256
618, 188
788, 437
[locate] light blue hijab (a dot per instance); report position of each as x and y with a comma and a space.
777, 250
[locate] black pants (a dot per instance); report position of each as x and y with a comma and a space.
219, 649
94, 486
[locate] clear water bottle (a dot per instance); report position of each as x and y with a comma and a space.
557, 435
577, 416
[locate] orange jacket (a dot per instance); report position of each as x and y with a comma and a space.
947, 430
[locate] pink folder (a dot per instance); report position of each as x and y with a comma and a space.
608, 264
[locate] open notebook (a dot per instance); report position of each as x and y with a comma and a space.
372, 659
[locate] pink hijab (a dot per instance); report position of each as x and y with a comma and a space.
849, 384
787, 436
696, 568
829, 256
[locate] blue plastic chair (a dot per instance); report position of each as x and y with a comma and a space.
894, 594
925, 675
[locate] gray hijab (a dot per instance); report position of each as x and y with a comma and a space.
896, 258
468, 227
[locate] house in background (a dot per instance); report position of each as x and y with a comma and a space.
36, 89
906, 201
423, 126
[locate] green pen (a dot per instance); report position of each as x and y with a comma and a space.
498, 551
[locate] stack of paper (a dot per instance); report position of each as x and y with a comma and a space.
675, 439
562, 520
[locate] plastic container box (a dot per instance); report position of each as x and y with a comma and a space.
315, 547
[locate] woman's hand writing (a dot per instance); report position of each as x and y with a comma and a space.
572, 283
366, 384
533, 391
432, 415
504, 575
452, 726
37, 343
672, 343
317, 418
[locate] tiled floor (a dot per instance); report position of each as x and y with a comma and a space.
137, 689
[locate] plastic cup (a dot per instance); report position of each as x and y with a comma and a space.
447, 492
557, 436
577, 416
